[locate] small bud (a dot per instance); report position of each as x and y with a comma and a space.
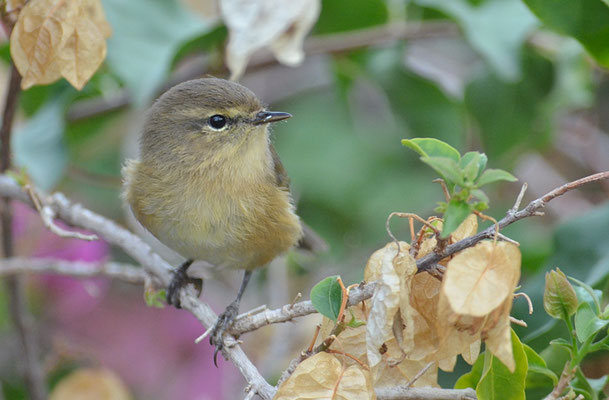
559, 298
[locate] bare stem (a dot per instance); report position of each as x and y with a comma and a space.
33, 374
532, 209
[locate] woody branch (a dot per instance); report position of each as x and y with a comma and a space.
158, 270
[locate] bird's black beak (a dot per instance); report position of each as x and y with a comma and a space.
265, 117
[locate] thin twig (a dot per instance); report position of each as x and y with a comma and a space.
420, 374
34, 376
47, 214
80, 269
404, 393
532, 209
527, 298
518, 322
565, 378
76, 215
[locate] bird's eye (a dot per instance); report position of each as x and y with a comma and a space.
217, 121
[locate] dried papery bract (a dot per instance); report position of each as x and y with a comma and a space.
54, 38
476, 299
480, 278
393, 273
323, 376
278, 24
91, 383
390, 371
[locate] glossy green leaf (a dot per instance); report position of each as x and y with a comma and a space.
497, 382
327, 296
471, 379
446, 167
585, 20
146, 35
496, 29
494, 175
455, 214
538, 374
587, 323
430, 147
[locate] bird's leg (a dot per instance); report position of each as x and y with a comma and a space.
227, 318
181, 278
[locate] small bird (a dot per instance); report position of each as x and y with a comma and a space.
210, 185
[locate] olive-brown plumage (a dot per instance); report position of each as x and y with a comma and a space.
208, 182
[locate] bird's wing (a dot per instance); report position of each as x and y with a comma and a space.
283, 180
310, 240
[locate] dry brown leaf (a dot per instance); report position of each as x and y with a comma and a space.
323, 376
386, 299
480, 278
498, 338
406, 268
255, 24
83, 53
468, 228
95, 11
90, 384
54, 38
42, 29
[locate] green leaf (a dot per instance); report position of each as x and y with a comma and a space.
494, 175
146, 35
480, 195
470, 156
430, 147
559, 298
455, 214
561, 342
346, 15
38, 145
513, 116
471, 379
354, 322
587, 323
155, 298
496, 29
470, 169
327, 297
447, 168
585, 20
498, 382
538, 375
582, 386
586, 294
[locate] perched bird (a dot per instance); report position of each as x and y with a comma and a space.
209, 183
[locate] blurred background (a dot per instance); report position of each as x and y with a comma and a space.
519, 80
